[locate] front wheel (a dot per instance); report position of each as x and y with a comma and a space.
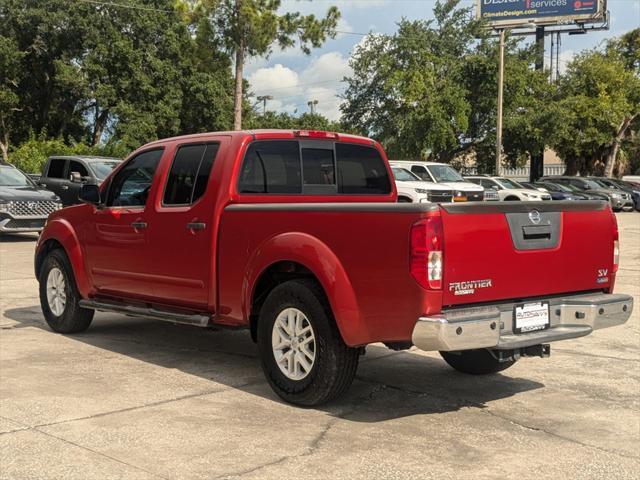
475, 362
59, 297
303, 356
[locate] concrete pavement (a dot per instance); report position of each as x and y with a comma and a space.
139, 399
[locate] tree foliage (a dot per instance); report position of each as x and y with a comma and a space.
430, 90
82, 72
252, 28
597, 106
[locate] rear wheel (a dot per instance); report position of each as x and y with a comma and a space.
303, 356
59, 297
475, 362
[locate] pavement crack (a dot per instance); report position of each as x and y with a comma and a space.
557, 435
594, 355
135, 407
156, 475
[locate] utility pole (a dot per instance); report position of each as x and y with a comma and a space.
263, 99
500, 94
312, 104
536, 164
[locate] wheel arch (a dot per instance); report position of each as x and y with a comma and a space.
60, 234
300, 255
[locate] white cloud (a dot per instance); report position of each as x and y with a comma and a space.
267, 80
320, 80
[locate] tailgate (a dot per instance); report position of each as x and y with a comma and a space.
515, 250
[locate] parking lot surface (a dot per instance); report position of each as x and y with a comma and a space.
140, 399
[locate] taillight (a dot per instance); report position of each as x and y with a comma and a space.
426, 256
616, 246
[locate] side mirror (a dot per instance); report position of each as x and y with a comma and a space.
587, 187
75, 177
90, 194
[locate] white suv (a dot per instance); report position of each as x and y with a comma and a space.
509, 189
413, 190
445, 176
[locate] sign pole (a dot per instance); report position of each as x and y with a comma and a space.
500, 90
536, 162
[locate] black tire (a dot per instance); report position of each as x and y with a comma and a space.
335, 363
475, 362
512, 199
404, 200
73, 318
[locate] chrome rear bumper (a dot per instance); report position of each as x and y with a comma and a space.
492, 326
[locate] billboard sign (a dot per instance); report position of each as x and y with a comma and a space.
539, 12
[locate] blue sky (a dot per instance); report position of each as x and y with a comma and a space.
293, 78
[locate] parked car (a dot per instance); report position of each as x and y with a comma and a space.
509, 190
64, 175
561, 192
583, 194
24, 207
411, 189
445, 175
628, 187
619, 200
297, 237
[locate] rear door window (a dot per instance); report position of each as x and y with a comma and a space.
361, 170
189, 174
56, 168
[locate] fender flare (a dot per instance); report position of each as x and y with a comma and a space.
62, 232
318, 258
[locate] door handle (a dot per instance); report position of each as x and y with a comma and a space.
196, 226
139, 225
65, 187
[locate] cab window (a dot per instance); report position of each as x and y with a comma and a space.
56, 168
75, 166
189, 174
130, 186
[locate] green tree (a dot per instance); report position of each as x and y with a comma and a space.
10, 57
430, 90
250, 28
598, 103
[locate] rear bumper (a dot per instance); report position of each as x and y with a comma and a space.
492, 326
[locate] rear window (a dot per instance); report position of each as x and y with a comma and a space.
361, 170
271, 167
282, 167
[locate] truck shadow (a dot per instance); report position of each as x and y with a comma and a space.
388, 384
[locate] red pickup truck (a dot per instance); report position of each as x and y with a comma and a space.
297, 236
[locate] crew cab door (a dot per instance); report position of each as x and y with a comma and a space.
116, 236
182, 238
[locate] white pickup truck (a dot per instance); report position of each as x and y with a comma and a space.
445, 176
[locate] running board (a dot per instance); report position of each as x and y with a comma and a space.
185, 318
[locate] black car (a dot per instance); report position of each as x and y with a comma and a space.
64, 175
24, 206
562, 192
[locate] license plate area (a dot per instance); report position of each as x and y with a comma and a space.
530, 317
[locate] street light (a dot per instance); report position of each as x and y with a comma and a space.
263, 99
312, 104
